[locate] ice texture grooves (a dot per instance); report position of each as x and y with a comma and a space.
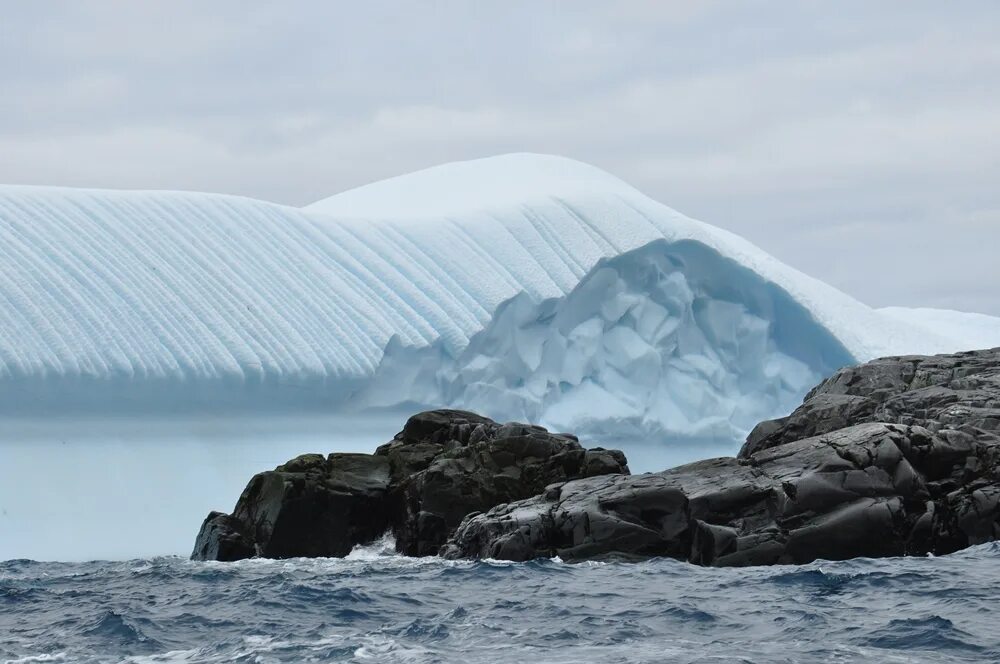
116, 299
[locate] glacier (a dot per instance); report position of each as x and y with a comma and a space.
524, 286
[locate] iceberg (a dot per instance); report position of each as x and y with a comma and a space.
670, 337
523, 286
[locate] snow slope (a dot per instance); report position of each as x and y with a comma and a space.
139, 301
568, 215
975, 330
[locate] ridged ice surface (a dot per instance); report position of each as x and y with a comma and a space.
128, 299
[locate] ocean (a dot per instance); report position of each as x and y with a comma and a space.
375, 606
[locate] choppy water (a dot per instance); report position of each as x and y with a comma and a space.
377, 607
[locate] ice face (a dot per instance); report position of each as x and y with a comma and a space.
671, 340
177, 302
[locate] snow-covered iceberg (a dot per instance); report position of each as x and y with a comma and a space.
521, 285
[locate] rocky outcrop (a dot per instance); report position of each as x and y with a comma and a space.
900, 456
309, 506
938, 392
443, 465
897, 456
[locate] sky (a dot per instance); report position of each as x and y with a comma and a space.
857, 141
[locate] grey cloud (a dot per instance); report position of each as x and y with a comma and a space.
859, 142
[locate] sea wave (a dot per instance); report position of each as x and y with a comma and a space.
376, 606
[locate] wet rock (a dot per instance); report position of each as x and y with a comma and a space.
443, 465
315, 506
224, 538
479, 464
938, 392
898, 456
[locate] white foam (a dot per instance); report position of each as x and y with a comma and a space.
383, 547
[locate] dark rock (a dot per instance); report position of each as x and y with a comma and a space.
898, 456
820, 414
443, 465
477, 464
442, 426
224, 538
313, 506
937, 392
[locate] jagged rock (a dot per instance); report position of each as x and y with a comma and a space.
441, 466
224, 538
897, 456
309, 506
484, 465
937, 392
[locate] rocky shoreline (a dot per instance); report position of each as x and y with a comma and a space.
443, 465
899, 456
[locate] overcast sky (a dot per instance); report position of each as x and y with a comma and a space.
857, 141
